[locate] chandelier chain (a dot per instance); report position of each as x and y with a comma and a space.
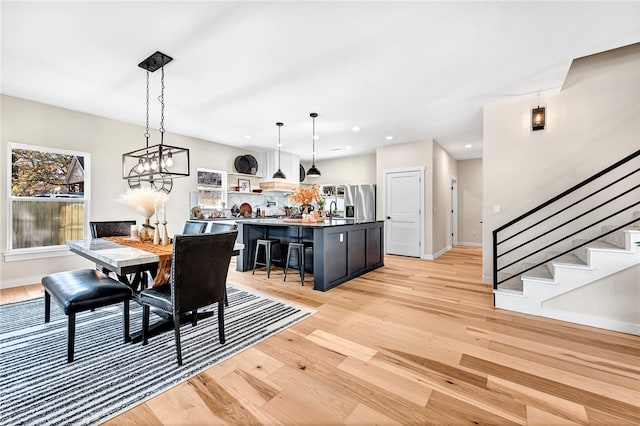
161, 99
146, 133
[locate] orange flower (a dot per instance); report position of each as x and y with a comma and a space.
306, 195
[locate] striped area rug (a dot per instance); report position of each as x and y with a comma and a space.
37, 386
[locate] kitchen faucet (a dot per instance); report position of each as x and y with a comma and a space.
332, 204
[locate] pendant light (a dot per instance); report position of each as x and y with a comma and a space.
155, 165
313, 171
279, 175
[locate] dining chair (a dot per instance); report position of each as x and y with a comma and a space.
215, 228
193, 227
199, 268
114, 228
110, 228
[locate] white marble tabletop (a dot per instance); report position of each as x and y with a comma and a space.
111, 253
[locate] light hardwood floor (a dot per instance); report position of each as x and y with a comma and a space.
414, 342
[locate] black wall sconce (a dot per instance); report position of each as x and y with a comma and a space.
538, 118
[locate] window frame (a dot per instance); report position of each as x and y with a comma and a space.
16, 254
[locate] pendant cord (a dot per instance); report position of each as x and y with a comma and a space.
314, 142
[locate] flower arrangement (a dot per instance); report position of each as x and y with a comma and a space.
145, 201
306, 195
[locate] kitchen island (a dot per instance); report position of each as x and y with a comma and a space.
342, 249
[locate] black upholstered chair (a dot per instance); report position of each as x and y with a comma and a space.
199, 269
111, 228
193, 227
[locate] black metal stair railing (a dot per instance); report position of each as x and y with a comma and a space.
611, 196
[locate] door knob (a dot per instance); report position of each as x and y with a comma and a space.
388, 217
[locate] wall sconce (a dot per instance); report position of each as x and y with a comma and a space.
538, 118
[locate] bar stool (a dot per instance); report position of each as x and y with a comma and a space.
300, 249
267, 244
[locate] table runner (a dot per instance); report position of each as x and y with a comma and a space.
163, 274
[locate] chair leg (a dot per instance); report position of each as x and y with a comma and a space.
226, 299
145, 323
176, 330
71, 334
127, 335
286, 264
47, 306
267, 260
194, 318
301, 263
255, 260
221, 323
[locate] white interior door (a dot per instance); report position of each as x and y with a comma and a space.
403, 208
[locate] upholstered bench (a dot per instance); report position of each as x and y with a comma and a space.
83, 290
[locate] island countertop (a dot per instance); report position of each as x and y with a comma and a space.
326, 223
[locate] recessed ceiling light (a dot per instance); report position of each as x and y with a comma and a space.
355, 129
279, 145
389, 137
247, 136
468, 146
316, 137
347, 148
336, 149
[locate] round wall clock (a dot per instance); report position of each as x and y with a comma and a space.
163, 183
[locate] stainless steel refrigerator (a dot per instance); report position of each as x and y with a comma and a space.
360, 202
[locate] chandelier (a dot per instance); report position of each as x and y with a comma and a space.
156, 165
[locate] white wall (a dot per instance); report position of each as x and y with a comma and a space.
445, 167
33, 123
470, 202
407, 155
594, 300
353, 170
592, 122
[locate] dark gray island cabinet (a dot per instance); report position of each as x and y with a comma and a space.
342, 249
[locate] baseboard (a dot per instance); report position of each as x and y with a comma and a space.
436, 255
599, 322
469, 244
20, 282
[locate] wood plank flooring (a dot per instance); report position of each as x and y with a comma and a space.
414, 342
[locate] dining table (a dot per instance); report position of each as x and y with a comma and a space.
130, 259
133, 261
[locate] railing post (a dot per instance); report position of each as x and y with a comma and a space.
495, 259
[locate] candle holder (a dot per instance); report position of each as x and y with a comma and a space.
156, 233
165, 234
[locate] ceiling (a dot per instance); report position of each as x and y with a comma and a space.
410, 70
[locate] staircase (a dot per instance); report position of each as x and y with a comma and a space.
575, 256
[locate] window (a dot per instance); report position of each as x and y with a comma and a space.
212, 188
48, 201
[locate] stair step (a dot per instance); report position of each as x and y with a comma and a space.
540, 273
568, 259
603, 245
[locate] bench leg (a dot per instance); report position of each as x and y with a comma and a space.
47, 306
127, 335
71, 334
145, 323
